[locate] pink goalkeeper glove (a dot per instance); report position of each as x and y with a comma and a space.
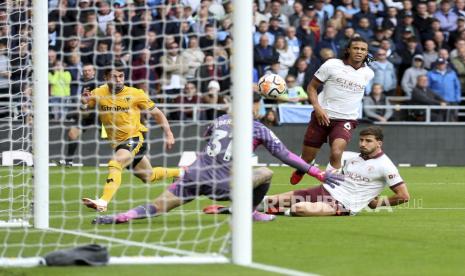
326, 177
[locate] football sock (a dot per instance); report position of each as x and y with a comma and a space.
142, 211
287, 212
162, 173
259, 193
330, 168
72, 146
113, 180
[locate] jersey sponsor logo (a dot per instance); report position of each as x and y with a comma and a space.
357, 177
392, 176
114, 108
350, 85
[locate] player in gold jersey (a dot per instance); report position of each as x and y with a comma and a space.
119, 108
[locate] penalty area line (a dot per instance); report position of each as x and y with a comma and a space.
279, 270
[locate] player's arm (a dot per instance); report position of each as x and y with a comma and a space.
280, 151
320, 113
88, 99
401, 195
161, 120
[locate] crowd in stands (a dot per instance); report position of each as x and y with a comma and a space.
179, 51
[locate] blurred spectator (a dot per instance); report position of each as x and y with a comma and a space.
310, 58
274, 28
257, 16
406, 9
302, 72
440, 40
175, 68
364, 29
194, 57
348, 33
447, 17
329, 40
377, 97
320, 14
202, 19
304, 32
445, 83
375, 43
270, 119
391, 54
390, 21
459, 8
264, 55
431, 7
211, 96
459, 64
377, 8
263, 30
430, 54
459, 43
274, 68
329, 8
407, 52
4, 80
339, 20
385, 73
316, 29
190, 97
422, 20
143, 72
286, 56
105, 15
455, 35
295, 94
207, 41
423, 95
103, 58
292, 41
74, 66
348, 8
298, 13
326, 54
60, 89
364, 12
406, 26
444, 54
276, 12
409, 79
208, 71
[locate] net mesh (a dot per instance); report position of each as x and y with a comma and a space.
173, 53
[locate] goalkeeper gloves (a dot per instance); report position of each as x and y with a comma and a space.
327, 177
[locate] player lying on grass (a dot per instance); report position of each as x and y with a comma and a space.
210, 174
366, 176
119, 108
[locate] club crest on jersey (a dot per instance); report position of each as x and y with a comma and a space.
127, 99
347, 126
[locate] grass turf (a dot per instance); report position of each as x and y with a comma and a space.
423, 237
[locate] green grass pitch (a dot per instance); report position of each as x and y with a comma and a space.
423, 237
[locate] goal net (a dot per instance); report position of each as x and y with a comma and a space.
179, 55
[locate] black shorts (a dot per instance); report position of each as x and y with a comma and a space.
137, 147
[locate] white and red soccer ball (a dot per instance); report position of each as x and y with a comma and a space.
272, 86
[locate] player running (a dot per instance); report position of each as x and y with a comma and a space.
336, 108
366, 176
119, 108
210, 174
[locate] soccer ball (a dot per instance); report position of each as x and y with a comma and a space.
271, 86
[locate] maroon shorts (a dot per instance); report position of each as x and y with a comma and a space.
320, 194
316, 135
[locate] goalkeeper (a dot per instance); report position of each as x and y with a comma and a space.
210, 174
119, 109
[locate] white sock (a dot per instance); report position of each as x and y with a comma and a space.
287, 213
331, 168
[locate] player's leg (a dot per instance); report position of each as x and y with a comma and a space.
315, 137
145, 172
261, 181
73, 135
339, 136
338, 147
122, 158
309, 209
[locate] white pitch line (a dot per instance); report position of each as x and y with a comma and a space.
280, 270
